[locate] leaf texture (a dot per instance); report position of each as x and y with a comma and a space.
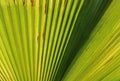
59, 40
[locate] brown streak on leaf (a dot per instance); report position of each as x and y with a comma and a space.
45, 7
108, 60
38, 38
15, 2
32, 2
65, 2
24, 2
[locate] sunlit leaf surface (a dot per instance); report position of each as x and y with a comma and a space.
59, 40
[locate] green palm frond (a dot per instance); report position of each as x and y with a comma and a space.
59, 40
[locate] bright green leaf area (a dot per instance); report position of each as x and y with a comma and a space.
59, 40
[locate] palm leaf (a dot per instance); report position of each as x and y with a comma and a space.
54, 40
